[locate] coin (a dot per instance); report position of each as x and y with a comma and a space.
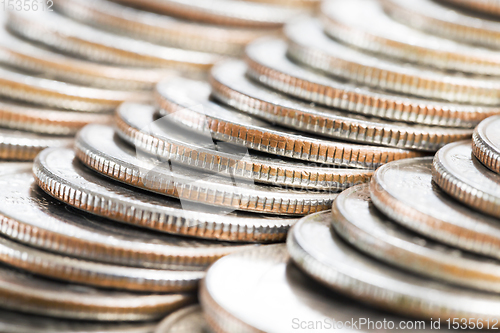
187, 102
374, 31
77, 39
56, 94
404, 191
30, 217
222, 12
20, 54
23, 146
463, 177
95, 274
439, 20
230, 86
26, 293
46, 121
268, 65
486, 143
291, 3
160, 29
29, 323
277, 296
324, 256
97, 148
358, 222
137, 124
310, 46
58, 174
490, 7
187, 320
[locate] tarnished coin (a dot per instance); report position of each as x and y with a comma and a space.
324, 256
309, 45
404, 191
24, 146
58, 174
486, 143
29, 216
57, 94
358, 222
278, 297
490, 7
26, 293
46, 121
160, 29
20, 54
187, 102
373, 30
230, 86
462, 176
69, 36
222, 12
137, 124
30, 323
430, 16
187, 320
268, 64
97, 148
95, 274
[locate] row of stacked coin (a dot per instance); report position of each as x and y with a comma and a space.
403, 252
77, 263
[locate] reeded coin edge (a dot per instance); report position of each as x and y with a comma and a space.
387, 107
328, 152
439, 26
410, 256
340, 128
463, 192
264, 172
21, 151
70, 269
484, 152
362, 39
486, 7
439, 230
366, 292
215, 196
180, 224
474, 91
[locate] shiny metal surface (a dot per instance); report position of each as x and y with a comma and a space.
186, 320
486, 143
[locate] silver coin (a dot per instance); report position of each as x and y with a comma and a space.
97, 148
21, 54
489, 7
262, 291
430, 16
137, 124
324, 256
371, 29
56, 94
29, 323
187, 320
486, 143
187, 102
69, 36
26, 293
268, 65
31, 217
24, 146
95, 274
309, 45
230, 86
222, 12
46, 121
57, 173
160, 29
461, 175
404, 191
358, 222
